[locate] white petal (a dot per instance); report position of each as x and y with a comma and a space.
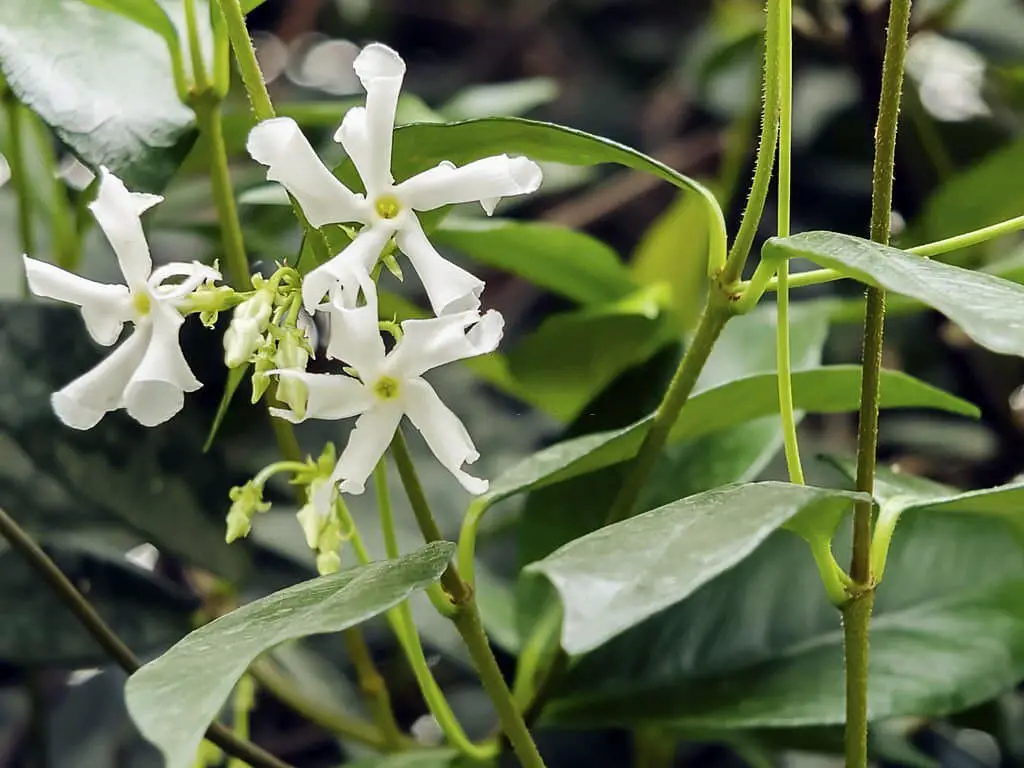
157, 389
355, 339
450, 288
354, 136
350, 268
444, 432
485, 181
291, 161
434, 342
331, 396
381, 71
194, 274
5, 170
105, 308
118, 213
366, 444
82, 403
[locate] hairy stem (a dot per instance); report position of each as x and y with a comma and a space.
857, 613
105, 637
245, 58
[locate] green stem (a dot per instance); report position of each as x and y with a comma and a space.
466, 555
857, 612
783, 19
67, 244
199, 79
208, 113
105, 637
374, 688
339, 723
243, 704
763, 163
245, 58
467, 617
19, 177
387, 514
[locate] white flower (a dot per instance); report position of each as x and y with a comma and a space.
5, 170
147, 375
390, 385
387, 209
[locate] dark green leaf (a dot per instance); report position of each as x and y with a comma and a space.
146, 612
761, 646
235, 378
154, 481
987, 308
173, 698
102, 82
149, 14
570, 263
620, 575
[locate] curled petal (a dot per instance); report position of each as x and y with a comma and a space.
194, 274
381, 71
291, 161
366, 444
434, 342
444, 432
156, 390
450, 288
118, 213
484, 181
83, 402
355, 339
350, 269
105, 308
330, 396
354, 136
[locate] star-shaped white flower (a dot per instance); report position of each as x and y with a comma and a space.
390, 385
147, 375
387, 209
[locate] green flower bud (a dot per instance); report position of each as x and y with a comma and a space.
292, 354
246, 501
248, 323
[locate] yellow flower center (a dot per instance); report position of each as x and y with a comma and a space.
141, 302
386, 388
387, 206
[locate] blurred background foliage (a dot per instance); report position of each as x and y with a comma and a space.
678, 80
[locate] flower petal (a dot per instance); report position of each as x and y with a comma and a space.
118, 213
105, 308
355, 339
350, 269
330, 396
366, 444
5, 170
280, 145
434, 342
485, 181
380, 70
354, 136
450, 288
444, 432
194, 274
83, 402
157, 389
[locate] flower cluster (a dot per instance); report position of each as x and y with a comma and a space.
272, 326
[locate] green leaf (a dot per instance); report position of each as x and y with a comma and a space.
511, 99
235, 378
572, 356
620, 575
761, 647
572, 264
420, 146
102, 82
153, 481
987, 308
674, 250
146, 612
173, 698
149, 14
251, 5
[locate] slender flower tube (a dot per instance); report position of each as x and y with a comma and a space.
388, 209
147, 375
390, 385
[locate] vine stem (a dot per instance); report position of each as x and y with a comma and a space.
105, 637
780, 17
374, 688
245, 58
467, 617
19, 177
857, 612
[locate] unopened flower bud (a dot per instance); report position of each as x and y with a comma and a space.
246, 501
292, 354
244, 335
328, 562
263, 363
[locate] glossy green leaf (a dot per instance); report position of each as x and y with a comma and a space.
102, 82
145, 611
985, 307
761, 646
235, 378
620, 575
572, 264
155, 482
173, 698
149, 14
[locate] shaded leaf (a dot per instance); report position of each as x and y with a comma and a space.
620, 575
173, 698
986, 307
